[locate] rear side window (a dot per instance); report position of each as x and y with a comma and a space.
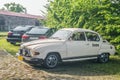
50, 32
38, 31
92, 36
78, 36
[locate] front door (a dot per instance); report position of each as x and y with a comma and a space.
77, 45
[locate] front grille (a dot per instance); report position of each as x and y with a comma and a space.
25, 52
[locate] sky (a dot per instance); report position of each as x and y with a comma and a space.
33, 7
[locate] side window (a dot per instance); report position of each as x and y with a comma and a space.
50, 32
78, 36
92, 36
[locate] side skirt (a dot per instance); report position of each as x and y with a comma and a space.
79, 58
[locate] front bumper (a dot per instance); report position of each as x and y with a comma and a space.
34, 61
13, 39
27, 40
29, 59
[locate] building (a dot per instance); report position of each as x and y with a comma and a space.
9, 20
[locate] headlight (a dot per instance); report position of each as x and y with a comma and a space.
22, 46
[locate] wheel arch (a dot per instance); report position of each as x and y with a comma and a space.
105, 53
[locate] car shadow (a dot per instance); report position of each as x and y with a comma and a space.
85, 68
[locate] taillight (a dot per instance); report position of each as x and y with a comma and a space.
25, 36
10, 33
42, 37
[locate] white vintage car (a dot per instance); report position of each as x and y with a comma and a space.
68, 44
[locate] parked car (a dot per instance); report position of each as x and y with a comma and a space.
68, 44
38, 33
15, 35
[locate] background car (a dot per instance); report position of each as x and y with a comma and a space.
15, 35
38, 33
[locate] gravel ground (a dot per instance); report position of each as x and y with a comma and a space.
13, 69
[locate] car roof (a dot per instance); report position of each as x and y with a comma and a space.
28, 26
41, 27
78, 29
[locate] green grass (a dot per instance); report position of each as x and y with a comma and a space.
9, 47
6, 45
3, 34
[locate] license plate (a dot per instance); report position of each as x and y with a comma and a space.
33, 37
20, 58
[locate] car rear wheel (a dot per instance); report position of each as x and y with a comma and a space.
51, 61
103, 58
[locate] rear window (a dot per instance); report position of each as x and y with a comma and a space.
20, 28
38, 31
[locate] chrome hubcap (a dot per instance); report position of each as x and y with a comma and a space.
52, 60
104, 57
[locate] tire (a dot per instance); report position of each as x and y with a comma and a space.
13, 43
51, 61
103, 58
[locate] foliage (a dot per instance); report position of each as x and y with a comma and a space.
102, 16
69, 13
14, 7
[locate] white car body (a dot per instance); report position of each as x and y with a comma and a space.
69, 48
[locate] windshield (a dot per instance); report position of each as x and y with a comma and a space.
38, 31
61, 34
20, 28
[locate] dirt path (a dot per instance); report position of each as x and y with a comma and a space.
13, 69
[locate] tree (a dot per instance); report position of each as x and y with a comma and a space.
107, 21
70, 13
102, 16
14, 7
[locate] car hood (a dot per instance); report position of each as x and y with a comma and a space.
44, 41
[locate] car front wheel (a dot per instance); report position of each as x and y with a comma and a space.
51, 61
103, 58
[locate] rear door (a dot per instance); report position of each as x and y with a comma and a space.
93, 43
